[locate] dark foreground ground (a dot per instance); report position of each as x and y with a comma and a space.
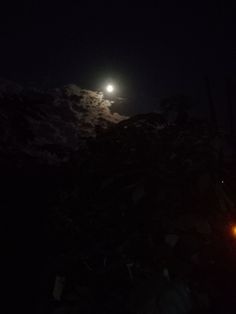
141, 225
104, 214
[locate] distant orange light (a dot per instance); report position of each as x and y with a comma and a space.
234, 230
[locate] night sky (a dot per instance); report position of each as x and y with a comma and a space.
147, 51
53, 191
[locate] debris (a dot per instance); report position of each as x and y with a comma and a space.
166, 273
58, 287
129, 267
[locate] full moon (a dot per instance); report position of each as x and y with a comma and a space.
110, 88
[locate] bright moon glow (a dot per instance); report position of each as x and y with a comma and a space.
110, 88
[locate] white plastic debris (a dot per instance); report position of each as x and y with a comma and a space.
129, 267
166, 273
58, 287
